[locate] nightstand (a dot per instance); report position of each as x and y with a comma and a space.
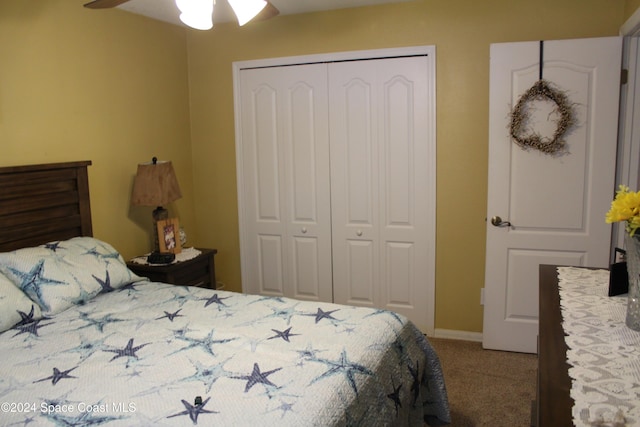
199, 271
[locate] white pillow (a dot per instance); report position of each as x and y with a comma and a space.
15, 306
60, 274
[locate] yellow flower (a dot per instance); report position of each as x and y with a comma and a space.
625, 207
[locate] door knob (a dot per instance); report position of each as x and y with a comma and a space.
359, 233
496, 221
304, 230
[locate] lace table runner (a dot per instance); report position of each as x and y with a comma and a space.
604, 354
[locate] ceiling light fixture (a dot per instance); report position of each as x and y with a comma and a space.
197, 14
246, 10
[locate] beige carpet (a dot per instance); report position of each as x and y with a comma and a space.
485, 387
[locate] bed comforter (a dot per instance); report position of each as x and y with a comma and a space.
158, 354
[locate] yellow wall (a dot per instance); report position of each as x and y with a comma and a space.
117, 88
105, 86
630, 7
462, 32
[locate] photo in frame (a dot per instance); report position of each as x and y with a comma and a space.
169, 236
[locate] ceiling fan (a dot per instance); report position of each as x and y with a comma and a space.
198, 13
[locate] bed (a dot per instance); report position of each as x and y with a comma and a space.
87, 342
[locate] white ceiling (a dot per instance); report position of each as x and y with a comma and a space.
166, 10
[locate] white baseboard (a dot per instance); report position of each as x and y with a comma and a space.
458, 335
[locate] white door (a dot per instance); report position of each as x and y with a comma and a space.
382, 138
284, 190
554, 203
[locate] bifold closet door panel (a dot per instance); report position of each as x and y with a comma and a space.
286, 247
382, 137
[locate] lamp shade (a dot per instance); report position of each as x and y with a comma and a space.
155, 184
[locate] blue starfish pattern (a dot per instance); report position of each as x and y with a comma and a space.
96, 253
415, 385
31, 328
181, 298
257, 377
215, 299
343, 366
170, 316
129, 351
57, 376
204, 343
31, 282
87, 418
99, 322
378, 312
193, 411
285, 335
395, 396
87, 348
260, 299
308, 354
285, 313
208, 374
53, 246
321, 314
25, 318
104, 284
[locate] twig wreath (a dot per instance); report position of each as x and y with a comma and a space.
540, 91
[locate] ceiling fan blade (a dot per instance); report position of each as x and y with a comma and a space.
104, 4
268, 12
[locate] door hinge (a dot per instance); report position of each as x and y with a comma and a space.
624, 76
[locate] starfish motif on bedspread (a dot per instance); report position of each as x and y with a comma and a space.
215, 299
284, 407
345, 367
205, 343
285, 335
415, 385
181, 299
130, 288
87, 418
321, 314
208, 374
32, 282
285, 313
87, 348
308, 354
379, 312
104, 284
24, 317
257, 377
263, 298
96, 253
31, 328
395, 396
129, 351
171, 316
57, 376
99, 323
193, 411
53, 246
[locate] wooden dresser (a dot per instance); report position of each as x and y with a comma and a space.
554, 403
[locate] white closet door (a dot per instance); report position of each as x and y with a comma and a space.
286, 233
382, 138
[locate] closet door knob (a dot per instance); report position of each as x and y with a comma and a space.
304, 230
359, 233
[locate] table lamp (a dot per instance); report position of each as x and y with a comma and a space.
156, 185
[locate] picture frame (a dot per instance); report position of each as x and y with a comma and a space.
169, 236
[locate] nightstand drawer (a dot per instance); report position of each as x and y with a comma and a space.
199, 271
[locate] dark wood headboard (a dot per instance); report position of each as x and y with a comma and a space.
43, 203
